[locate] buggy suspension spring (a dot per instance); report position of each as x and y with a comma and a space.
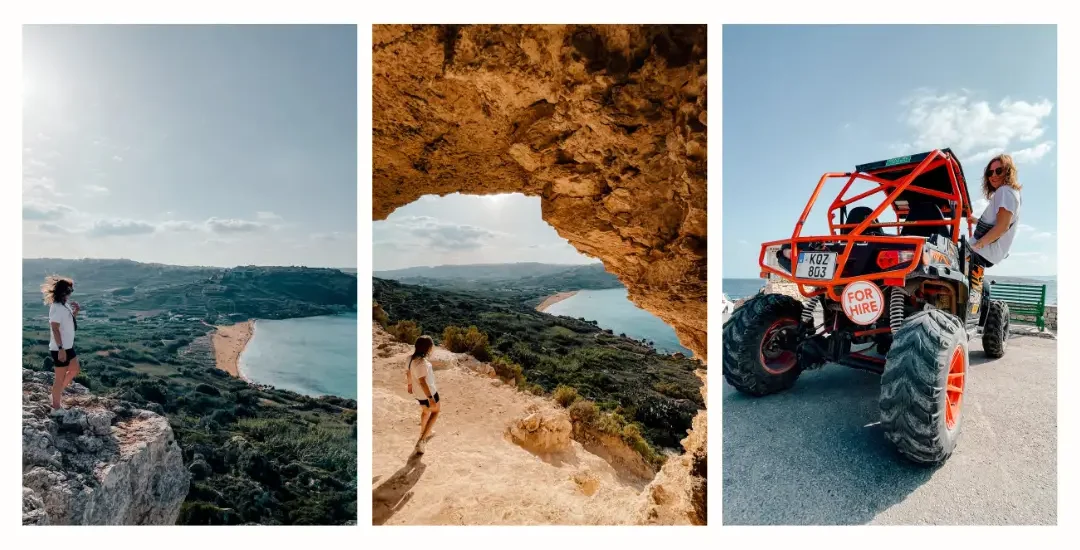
896, 308
808, 311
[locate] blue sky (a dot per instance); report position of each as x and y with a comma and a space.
800, 101
461, 229
192, 145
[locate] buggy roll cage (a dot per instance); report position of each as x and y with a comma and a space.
952, 199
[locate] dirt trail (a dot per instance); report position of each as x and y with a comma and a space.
471, 473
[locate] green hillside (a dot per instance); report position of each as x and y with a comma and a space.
257, 454
528, 283
658, 391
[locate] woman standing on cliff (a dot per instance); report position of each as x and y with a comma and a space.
420, 369
62, 325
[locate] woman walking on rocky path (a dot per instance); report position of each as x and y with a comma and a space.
420, 368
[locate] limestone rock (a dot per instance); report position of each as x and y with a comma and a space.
605, 123
586, 482
98, 462
679, 492
546, 431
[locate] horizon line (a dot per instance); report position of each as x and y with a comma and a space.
190, 265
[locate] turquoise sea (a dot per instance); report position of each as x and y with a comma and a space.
611, 309
309, 355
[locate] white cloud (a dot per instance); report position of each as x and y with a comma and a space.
1032, 155
121, 228
979, 204
118, 158
1033, 233
127, 227
55, 229
179, 225
743, 241
1035, 256
446, 235
43, 211
217, 225
975, 129
269, 216
332, 236
97, 189
40, 186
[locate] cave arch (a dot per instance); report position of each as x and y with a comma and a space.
605, 123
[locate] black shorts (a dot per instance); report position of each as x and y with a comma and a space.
56, 361
424, 402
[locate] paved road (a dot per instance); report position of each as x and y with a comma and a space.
815, 455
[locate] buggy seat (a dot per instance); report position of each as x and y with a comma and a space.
925, 211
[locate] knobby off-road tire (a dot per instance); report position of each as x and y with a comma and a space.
995, 336
744, 363
917, 386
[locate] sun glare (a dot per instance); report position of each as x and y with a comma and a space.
495, 200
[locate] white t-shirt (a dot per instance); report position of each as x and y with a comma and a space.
421, 368
61, 313
1004, 197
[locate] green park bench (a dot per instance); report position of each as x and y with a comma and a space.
1024, 301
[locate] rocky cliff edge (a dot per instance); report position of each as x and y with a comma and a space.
97, 462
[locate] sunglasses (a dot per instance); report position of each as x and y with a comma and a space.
995, 171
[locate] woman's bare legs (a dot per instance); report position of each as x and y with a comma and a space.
59, 377
424, 412
427, 420
432, 417
72, 372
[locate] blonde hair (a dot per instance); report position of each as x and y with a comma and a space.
54, 284
1007, 163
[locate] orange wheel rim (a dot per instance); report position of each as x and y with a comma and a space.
954, 388
774, 359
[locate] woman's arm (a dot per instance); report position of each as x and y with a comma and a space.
408, 378
56, 334
1001, 225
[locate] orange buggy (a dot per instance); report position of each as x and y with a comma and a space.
907, 290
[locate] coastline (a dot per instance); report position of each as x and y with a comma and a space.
554, 299
229, 342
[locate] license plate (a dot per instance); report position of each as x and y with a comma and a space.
816, 265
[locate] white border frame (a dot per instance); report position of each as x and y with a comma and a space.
314, 11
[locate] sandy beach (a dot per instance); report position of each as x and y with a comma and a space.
229, 342
554, 299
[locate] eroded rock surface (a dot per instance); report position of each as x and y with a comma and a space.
543, 431
99, 462
605, 123
678, 493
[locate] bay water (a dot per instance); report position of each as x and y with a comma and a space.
612, 309
309, 355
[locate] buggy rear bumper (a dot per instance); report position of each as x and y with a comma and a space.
844, 246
